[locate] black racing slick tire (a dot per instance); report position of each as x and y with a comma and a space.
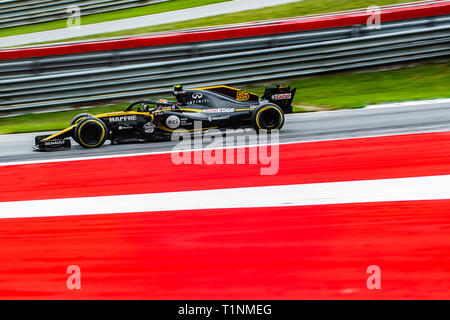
268, 117
90, 132
79, 117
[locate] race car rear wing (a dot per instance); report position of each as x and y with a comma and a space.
281, 96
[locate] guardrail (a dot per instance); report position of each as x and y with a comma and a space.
20, 13
265, 58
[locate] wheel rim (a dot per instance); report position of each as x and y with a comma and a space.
270, 119
91, 133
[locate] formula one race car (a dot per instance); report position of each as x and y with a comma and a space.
217, 107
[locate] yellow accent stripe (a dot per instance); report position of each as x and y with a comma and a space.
121, 113
182, 109
59, 133
222, 86
192, 110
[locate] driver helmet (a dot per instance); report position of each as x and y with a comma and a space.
161, 102
177, 90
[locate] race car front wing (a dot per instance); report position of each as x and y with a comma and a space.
42, 143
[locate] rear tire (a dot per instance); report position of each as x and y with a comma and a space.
90, 132
267, 117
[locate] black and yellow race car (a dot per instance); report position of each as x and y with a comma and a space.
217, 107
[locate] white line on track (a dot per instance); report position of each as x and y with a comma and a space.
401, 189
142, 21
407, 104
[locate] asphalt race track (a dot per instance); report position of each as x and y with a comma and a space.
318, 126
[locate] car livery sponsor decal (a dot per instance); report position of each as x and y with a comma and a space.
123, 118
219, 110
218, 118
242, 96
54, 142
281, 96
186, 122
200, 101
124, 128
149, 127
173, 122
198, 98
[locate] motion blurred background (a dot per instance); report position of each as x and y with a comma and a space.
63, 55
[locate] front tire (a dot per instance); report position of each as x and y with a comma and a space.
268, 117
90, 132
79, 117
